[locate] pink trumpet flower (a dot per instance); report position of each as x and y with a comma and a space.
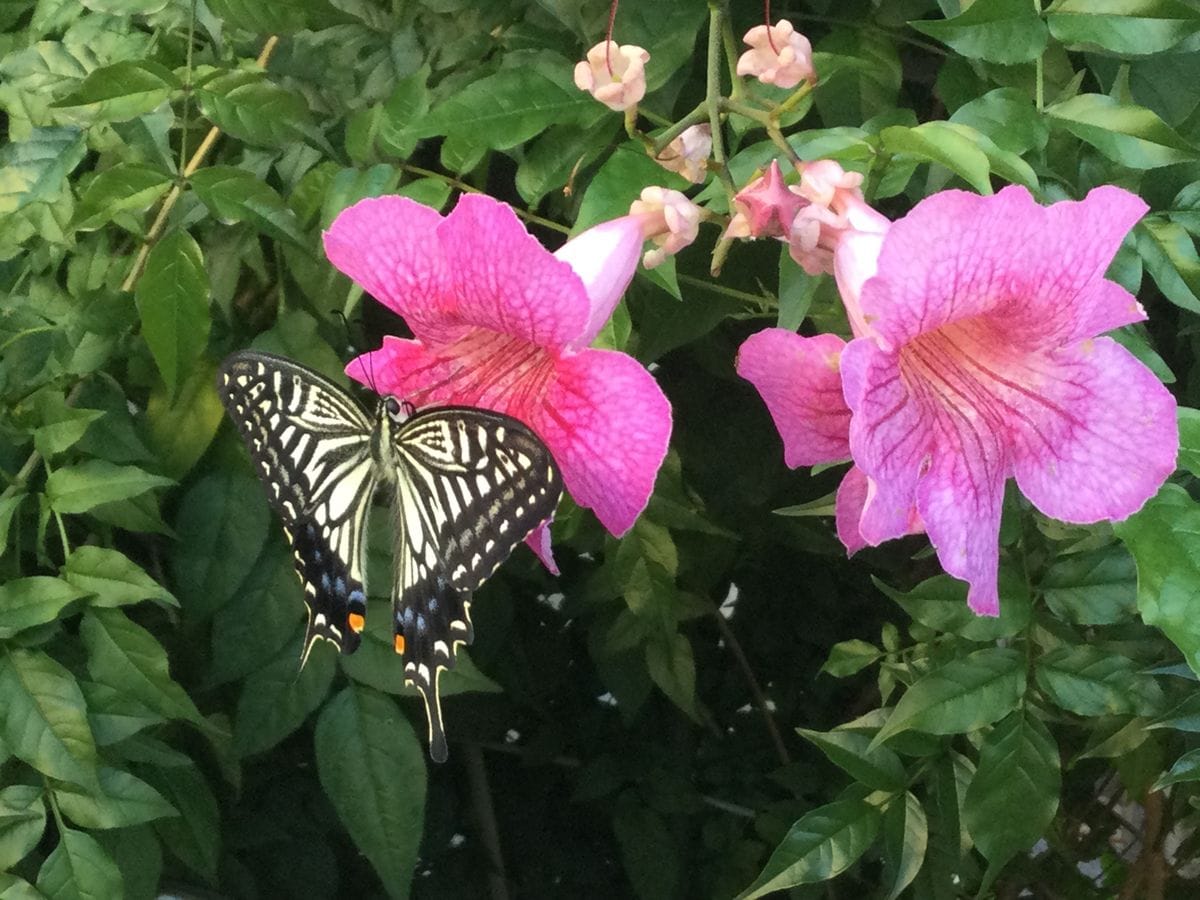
976, 358
502, 323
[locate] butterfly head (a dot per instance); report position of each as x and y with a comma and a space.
399, 411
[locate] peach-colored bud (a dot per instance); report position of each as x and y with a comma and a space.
782, 56
821, 180
669, 219
688, 153
765, 207
620, 86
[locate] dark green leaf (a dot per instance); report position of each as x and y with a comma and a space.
1130, 135
848, 657
126, 187
112, 577
673, 668
905, 840
28, 602
22, 822
961, 695
121, 800
940, 603
14, 888
34, 170
941, 143
1164, 538
82, 487
1189, 440
822, 844
1009, 117
1125, 27
999, 31
172, 300
1186, 768
649, 850
235, 195
276, 16
1170, 257
1014, 794
260, 113
195, 834
1095, 588
123, 90
277, 699
878, 768
43, 719
123, 654
182, 423
79, 869
1090, 681
114, 715
380, 796
138, 855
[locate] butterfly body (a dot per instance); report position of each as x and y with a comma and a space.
467, 486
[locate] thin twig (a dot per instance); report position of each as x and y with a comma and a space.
168, 204
760, 699
485, 819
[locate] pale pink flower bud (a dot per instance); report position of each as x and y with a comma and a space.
669, 219
616, 76
765, 207
688, 153
781, 56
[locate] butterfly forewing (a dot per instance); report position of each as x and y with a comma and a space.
311, 446
471, 485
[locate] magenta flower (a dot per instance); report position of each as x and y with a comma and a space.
981, 360
502, 323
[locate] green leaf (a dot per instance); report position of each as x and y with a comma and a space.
125, 188
1130, 135
194, 836
121, 800
222, 525
79, 488
125, 655
940, 603
380, 798
876, 767
14, 888
1170, 257
999, 31
848, 657
1186, 768
1093, 588
941, 143
649, 849
28, 602
1164, 537
822, 844
1090, 681
138, 855
961, 695
22, 822
1009, 117
407, 105
182, 423
79, 869
275, 16
1189, 440
43, 719
8, 509
172, 300
235, 195
277, 699
114, 715
123, 90
260, 113
34, 170
112, 577
1014, 795
905, 840
507, 108
673, 668
1124, 27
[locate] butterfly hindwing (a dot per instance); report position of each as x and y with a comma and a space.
471, 485
311, 446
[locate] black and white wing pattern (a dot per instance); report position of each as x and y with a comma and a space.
311, 445
470, 485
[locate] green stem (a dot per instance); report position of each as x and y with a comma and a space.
712, 97
697, 115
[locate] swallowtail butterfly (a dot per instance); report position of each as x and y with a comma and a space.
468, 485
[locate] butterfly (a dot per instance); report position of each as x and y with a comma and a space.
468, 485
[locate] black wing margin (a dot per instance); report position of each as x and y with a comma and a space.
471, 485
311, 446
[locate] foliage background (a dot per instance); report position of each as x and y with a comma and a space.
718, 702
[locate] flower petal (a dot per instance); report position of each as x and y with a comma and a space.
799, 381
848, 508
1038, 269
505, 280
605, 258
389, 246
1102, 440
607, 423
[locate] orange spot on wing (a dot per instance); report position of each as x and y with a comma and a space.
356, 622
398, 643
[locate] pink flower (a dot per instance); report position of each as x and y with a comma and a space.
765, 207
780, 55
669, 219
503, 324
979, 359
616, 76
688, 153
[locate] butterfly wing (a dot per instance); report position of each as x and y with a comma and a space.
311, 446
471, 485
